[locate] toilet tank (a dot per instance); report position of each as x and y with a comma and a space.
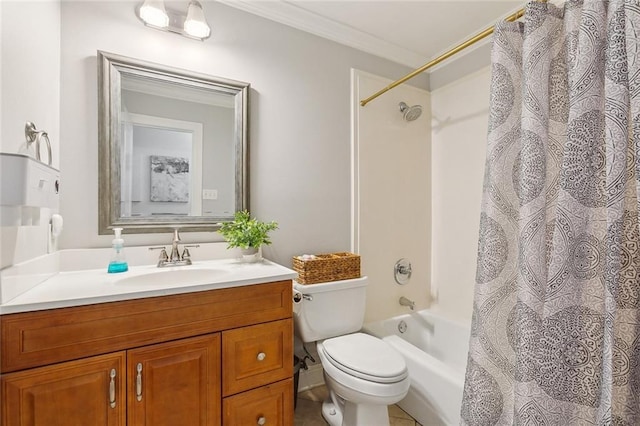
329, 309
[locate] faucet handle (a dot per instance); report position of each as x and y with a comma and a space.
185, 253
163, 253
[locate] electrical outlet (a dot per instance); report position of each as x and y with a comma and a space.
209, 194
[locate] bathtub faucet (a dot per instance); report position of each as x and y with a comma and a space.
406, 302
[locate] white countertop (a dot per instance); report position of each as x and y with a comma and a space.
86, 287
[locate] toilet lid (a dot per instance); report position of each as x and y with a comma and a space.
365, 356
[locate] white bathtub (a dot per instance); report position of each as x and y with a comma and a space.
435, 350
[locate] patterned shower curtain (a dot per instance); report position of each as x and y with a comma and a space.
555, 335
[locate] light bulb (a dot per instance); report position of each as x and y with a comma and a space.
153, 13
196, 24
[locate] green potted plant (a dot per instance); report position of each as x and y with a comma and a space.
247, 233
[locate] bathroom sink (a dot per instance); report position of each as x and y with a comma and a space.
174, 276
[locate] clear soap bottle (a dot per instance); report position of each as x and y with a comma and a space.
118, 261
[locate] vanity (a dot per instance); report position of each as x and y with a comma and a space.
148, 349
206, 344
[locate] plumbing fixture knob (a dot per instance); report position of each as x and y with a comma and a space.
163, 257
402, 271
185, 254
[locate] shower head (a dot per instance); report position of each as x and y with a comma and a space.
410, 113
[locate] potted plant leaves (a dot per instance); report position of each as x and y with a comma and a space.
248, 234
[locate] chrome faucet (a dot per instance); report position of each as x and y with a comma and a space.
176, 259
175, 254
406, 302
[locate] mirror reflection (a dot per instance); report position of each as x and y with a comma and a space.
172, 147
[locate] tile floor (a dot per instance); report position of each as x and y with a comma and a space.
309, 406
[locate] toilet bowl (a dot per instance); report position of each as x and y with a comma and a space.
363, 374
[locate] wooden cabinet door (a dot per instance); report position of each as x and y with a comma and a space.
77, 393
175, 383
268, 405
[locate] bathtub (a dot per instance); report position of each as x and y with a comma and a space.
435, 350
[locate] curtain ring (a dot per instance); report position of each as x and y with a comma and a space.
33, 135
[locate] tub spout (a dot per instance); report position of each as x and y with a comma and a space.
406, 302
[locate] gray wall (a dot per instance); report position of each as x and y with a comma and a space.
29, 91
299, 118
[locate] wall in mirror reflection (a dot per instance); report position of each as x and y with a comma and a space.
156, 127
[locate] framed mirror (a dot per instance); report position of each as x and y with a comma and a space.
172, 147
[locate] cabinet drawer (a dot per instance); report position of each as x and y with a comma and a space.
256, 355
268, 405
33, 339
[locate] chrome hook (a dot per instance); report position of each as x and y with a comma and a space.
33, 135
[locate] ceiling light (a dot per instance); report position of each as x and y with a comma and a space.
152, 12
193, 25
196, 24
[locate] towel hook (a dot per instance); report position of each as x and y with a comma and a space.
34, 135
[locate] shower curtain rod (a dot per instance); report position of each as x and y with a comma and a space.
458, 48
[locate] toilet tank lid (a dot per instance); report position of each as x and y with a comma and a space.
330, 286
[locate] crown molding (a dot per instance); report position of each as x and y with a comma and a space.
296, 17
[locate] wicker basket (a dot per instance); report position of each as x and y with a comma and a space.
327, 267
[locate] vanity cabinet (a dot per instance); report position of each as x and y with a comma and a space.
169, 360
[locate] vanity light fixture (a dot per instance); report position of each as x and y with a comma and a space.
193, 25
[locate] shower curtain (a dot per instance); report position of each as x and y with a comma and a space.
555, 334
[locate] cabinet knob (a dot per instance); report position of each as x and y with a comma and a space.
262, 420
261, 357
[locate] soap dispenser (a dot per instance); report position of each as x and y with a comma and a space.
118, 261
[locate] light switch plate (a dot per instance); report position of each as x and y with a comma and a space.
209, 194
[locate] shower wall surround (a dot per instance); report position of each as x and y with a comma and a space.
392, 187
460, 113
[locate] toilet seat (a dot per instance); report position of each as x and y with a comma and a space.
366, 357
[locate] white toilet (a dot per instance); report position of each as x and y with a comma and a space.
363, 373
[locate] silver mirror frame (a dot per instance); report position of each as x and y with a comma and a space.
110, 67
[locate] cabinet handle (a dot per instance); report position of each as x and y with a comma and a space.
262, 420
112, 388
139, 382
261, 357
